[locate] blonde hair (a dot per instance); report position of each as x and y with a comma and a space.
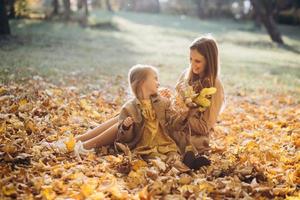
207, 47
137, 75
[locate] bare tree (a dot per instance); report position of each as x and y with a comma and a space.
108, 5
264, 11
4, 24
86, 8
83, 4
200, 8
12, 12
67, 9
55, 5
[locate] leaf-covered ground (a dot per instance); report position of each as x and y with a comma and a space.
255, 150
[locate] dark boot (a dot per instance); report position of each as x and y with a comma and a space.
200, 161
189, 159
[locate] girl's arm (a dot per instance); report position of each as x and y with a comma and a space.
125, 134
175, 121
181, 85
202, 123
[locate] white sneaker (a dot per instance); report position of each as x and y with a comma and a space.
58, 146
80, 150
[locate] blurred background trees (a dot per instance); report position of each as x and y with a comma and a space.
267, 13
4, 25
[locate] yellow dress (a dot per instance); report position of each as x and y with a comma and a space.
154, 141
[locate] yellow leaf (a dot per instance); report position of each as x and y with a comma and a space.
188, 188
70, 143
206, 187
202, 101
59, 187
137, 164
96, 114
208, 91
144, 194
296, 142
250, 145
3, 127
269, 125
9, 148
84, 104
2, 91
9, 190
22, 102
201, 109
48, 193
30, 126
86, 190
97, 196
117, 193
292, 198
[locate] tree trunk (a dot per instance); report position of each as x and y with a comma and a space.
200, 4
67, 9
257, 21
108, 6
266, 17
85, 7
55, 5
12, 13
4, 24
157, 6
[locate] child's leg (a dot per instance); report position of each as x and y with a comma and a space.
106, 137
180, 139
98, 130
201, 143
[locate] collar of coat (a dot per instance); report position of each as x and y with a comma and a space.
157, 106
154, 99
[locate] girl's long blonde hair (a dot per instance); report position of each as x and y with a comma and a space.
207, 47
137, 75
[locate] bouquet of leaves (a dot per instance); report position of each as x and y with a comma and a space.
190, 98
200, 100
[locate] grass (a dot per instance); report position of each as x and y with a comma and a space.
90, 57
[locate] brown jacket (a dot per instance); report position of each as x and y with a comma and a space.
203, 123
168, 120
195, 135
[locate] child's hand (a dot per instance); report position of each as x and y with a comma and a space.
192, 105
128, 122
165, 92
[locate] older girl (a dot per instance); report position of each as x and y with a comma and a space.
203, 72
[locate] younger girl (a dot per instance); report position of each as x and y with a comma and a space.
146, 120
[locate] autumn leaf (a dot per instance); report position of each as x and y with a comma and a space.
48, 193
3, 127
9, 190
137, 164
86, 190
70, 143
202, 99
208, 91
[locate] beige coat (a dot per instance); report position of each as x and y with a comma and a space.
200, 125
168, 120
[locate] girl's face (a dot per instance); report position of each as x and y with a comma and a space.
151, 83
197, 62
